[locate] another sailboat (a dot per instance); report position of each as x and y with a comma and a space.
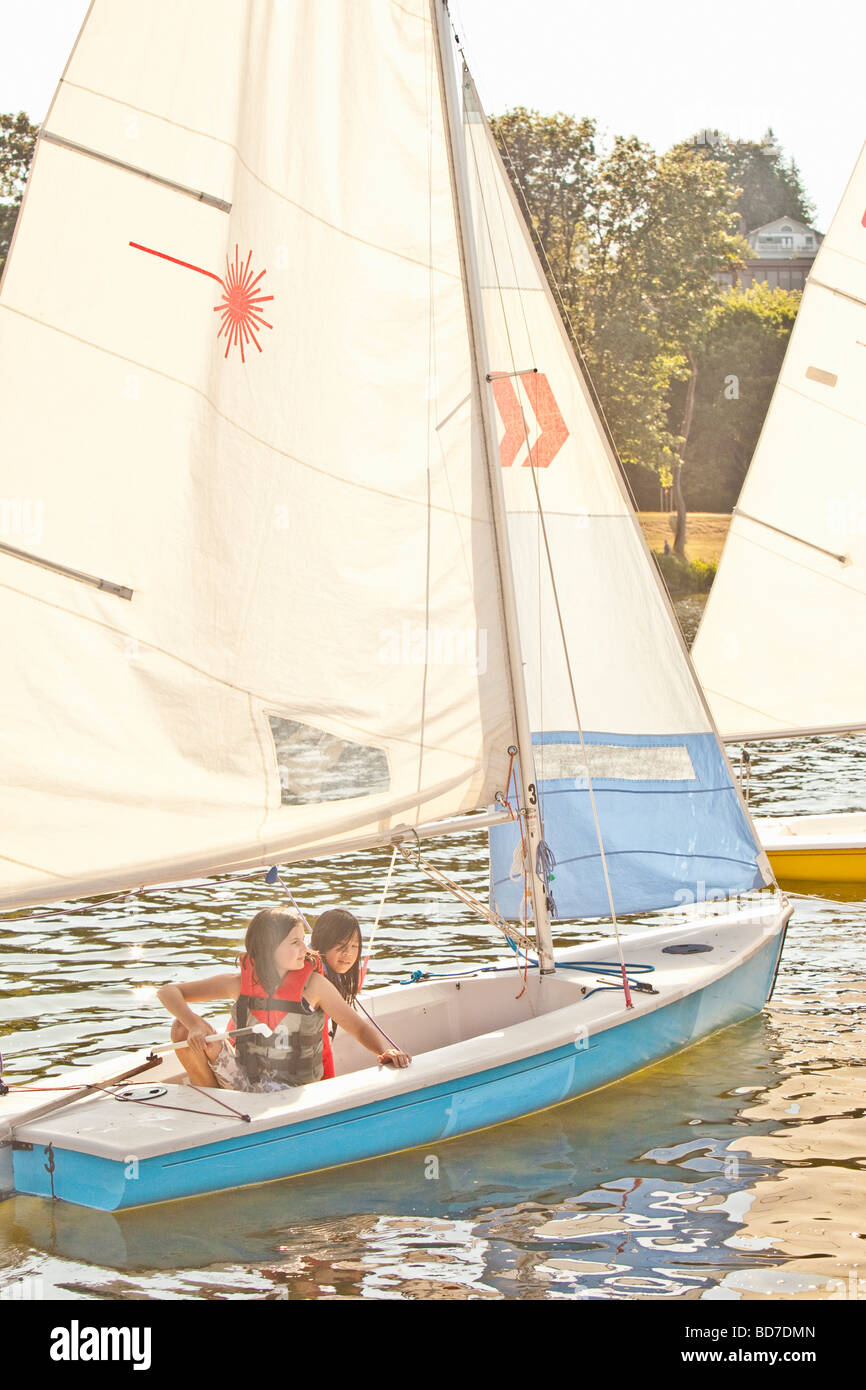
347, 564
781, 649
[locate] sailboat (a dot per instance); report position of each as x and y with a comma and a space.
336, 555
781, 649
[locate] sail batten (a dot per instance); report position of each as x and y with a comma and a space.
107, 585
197, 194
802, 540
834, 289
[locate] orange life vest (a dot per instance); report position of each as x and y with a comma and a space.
293, 1055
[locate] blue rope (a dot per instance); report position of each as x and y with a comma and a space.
455, 974
604, 967
594, 967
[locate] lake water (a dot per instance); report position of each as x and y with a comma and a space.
734, 1171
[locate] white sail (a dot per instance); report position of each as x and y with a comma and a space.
252, 605
782, 645
671, 819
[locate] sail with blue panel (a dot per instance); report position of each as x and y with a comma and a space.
626, 753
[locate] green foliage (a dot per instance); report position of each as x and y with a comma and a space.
552, 161
738, 362
633, 240
685, 576
770, 187
17, 142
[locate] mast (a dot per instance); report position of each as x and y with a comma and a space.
475, 316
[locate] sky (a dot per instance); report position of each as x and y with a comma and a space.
661, 71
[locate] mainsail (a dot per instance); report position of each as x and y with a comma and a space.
250, 601
782, 645
602, 652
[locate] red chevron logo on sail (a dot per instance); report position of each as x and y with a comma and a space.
552, 428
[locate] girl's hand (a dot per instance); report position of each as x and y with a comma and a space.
393, 1058
197, 1033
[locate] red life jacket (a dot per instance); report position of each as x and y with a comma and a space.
293, 1055
328, 1032
327, 1052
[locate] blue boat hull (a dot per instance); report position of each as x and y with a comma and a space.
425, 1117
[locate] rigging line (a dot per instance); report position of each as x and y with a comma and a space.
522, 302
184, 1109
428, 459
545, 871
468, 899
274, 876
207, 1096
589, 784
378, 1026
514, 373
541, 794
521, 296
526, 324
512, 773
376, 923
560, 622
508, 611
789, 535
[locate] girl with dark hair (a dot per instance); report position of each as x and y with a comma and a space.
337, 940
281, 985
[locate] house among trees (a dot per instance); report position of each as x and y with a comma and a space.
783, 252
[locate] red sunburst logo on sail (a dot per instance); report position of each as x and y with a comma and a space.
240, 308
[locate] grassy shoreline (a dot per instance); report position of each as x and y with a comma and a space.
705, 539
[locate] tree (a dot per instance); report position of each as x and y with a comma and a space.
17, 142
770, 186
633, 240
552, 162
738, 363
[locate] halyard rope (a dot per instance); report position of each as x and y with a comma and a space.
376, 923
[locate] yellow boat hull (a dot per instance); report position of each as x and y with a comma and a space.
819, 866
815, 849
